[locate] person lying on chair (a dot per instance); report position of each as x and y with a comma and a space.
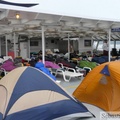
42, 67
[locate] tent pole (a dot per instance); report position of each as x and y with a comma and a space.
43, 45
109, 40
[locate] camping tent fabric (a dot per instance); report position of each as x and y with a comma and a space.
29, 94
101, 87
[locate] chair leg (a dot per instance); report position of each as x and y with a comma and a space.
65, 79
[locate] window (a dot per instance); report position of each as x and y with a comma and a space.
87, 43
33, 43
52, 41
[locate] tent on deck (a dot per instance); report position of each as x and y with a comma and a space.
27, 93
101, 87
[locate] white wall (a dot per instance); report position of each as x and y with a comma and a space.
23, 50
75, 45
48, 45
82, 48
63, 45
58, 44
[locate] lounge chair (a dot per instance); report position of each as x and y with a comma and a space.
67, 73
3, 72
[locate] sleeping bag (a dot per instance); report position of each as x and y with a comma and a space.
85, 63
41, 67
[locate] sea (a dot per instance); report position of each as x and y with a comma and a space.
112, 45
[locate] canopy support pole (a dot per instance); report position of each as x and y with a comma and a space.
109, 40
6, 47
14, 45
68, 47
43, 45
0, 45
79, 44
29, 48
92, 45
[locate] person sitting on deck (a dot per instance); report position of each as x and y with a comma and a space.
105, 48
42, 67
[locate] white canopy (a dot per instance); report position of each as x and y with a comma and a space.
60, 17
91, 9
76, 17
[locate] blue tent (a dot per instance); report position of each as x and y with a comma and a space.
26, 93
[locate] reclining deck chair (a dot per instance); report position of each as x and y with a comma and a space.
3, 72
67, 73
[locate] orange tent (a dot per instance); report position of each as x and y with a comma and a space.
101, 87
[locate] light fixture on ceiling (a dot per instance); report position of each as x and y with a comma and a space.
17, 16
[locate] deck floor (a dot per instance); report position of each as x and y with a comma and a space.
70, 87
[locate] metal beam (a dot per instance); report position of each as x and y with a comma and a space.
80, 20
36, 17
117, 36
60, 18
4, 14
101, 38
111, 24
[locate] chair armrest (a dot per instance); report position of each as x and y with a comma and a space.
61, 65
87, 68
71, 69
5, 72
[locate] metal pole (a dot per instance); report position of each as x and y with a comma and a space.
114, 43
109, 39
43, 45
29, 48
6, 45
97, 44
68, 48
0, 46
79, 45
92, 46
14, 45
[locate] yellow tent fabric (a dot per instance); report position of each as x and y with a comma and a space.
101, 90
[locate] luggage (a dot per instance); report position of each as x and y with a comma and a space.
114, 52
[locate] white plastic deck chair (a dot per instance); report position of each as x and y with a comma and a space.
87, 68
7, 57
3, 72
68, 73
1, 60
